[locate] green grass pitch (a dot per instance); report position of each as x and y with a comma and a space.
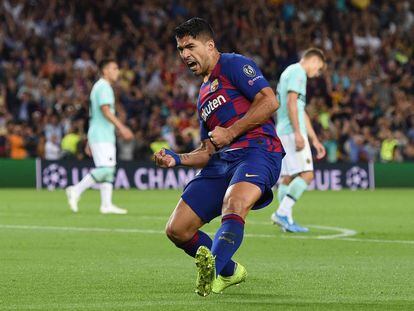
359, 255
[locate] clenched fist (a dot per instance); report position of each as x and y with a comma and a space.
221, 136
162, 159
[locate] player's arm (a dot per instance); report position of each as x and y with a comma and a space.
123, 130
320, 149
262, 109
292, 106
198, 158
246, 76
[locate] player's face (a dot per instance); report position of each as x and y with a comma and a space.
316, 67
111, 71
195, 53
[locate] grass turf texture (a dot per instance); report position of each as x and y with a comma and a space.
46, 264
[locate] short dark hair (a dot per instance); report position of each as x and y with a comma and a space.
194, 27
104, 62
314, 52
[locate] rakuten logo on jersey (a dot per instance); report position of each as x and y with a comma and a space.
212, 105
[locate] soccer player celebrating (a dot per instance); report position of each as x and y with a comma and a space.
294, 127
101, 141
240, 155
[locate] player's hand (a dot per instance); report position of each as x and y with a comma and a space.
320, 150
162, 159
126, 133
299, 141
221, 136
88, 151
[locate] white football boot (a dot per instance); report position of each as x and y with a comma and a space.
73, 198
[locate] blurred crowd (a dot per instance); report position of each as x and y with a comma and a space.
362, 107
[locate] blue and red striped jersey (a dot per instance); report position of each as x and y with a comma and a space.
227, 96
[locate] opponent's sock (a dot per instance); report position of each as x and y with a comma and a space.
106, 193
227, 240
285, 208
281, 192
297, 187
86, 182
294, 192
202, 239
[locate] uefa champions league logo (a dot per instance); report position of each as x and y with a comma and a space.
55, 176
357, 177
249, 71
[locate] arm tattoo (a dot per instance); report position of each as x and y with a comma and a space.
184, 156
202, 148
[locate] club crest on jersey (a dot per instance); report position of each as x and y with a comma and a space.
249, 71
214, 85
212, 105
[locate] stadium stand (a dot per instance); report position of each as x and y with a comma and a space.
362, 107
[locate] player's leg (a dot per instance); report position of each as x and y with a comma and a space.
183, 229
104, 155
282, 189
194, 210
74, 192
284, 214
296, 188
289, 163
96, 175
238, 201
298, 166
102, 175
251, 187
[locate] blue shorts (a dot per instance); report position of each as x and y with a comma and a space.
205, 193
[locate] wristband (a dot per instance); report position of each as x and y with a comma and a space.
174, 155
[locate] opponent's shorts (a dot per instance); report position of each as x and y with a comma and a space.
104, 154
205, 193
295, 162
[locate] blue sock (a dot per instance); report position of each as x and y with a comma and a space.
227, 240
202, 239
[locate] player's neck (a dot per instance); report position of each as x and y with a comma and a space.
106, 79
214, 60
303, 64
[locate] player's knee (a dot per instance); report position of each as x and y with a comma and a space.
103, 174
235, 204
176, 234
307, 176
286, 180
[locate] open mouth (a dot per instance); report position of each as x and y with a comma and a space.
192, 64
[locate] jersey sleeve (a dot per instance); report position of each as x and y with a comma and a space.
246, 76
296, 82
105, 96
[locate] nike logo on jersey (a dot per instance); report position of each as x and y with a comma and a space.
251, 175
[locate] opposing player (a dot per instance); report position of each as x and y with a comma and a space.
101, 141
240, 155
294, 128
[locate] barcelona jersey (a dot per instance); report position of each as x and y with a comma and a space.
227, 96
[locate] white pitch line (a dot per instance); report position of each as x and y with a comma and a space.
81, 229
338, 237
344, 232
118, 230
378, 241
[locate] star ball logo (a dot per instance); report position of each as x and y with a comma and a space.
249, 71
357, 177
55, 176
